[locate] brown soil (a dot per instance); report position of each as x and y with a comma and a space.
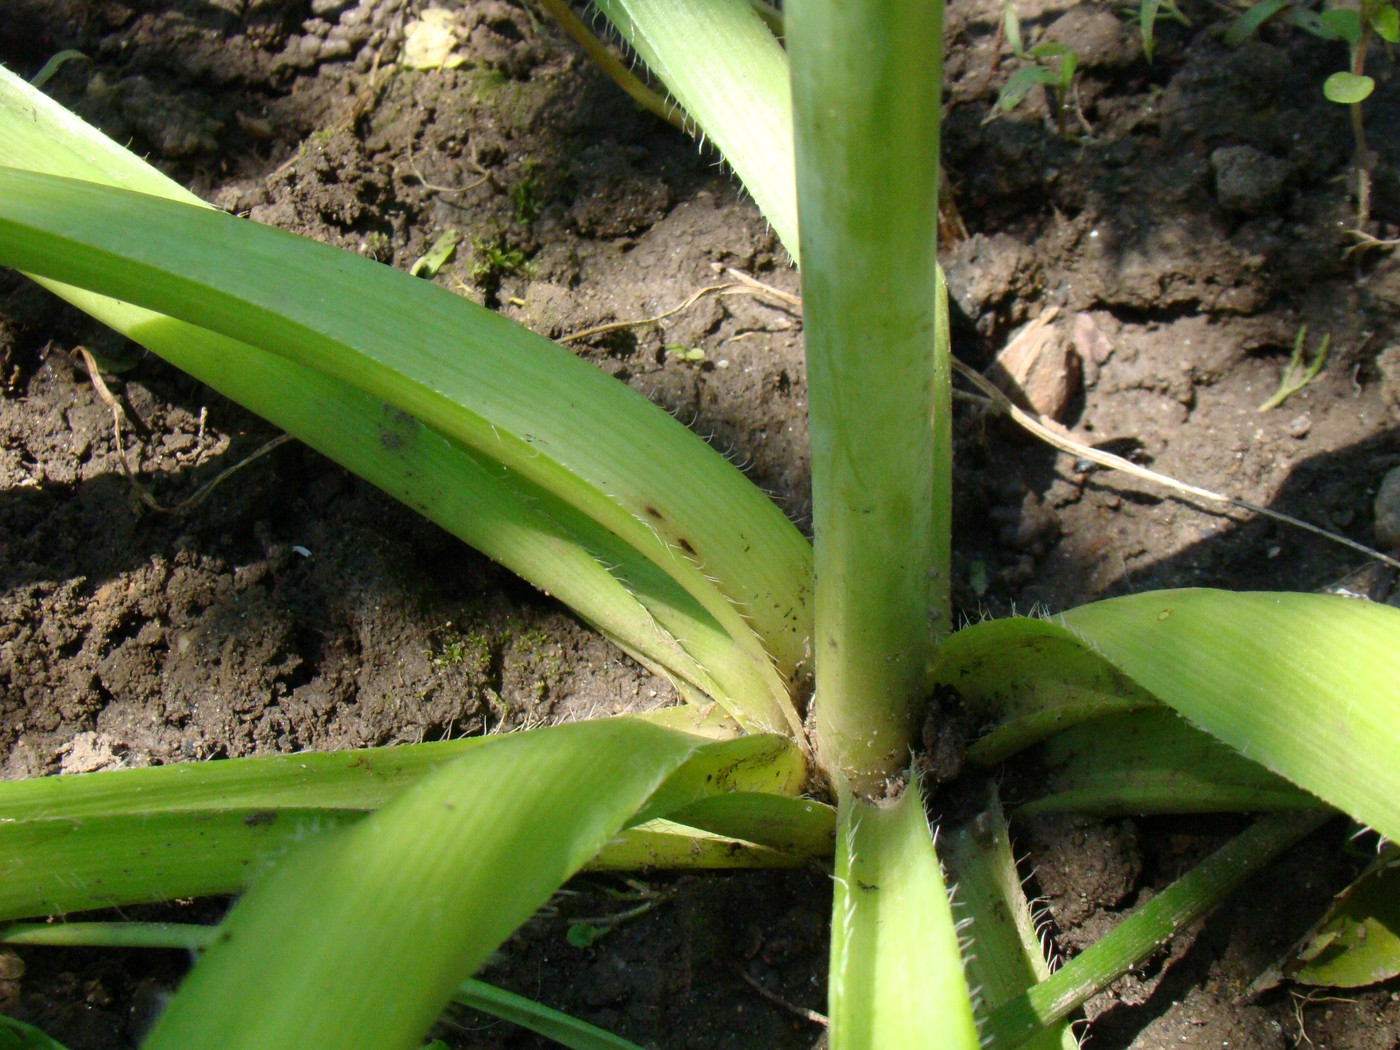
298, 608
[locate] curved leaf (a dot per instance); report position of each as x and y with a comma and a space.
1358, 941
520, 524
132, 836
1147, 928
726, 69
1302, 684
1005, 957
469, 374
1307, 685
361, 936
1348, 88
1152, 761
1025, 679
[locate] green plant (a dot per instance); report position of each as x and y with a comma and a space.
807, 669
1354, 25
1051, 65
495, 261
1297, 374
1146, 12
525, 193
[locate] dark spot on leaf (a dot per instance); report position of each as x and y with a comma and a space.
653, 513
261, 819
396, 429
684, 545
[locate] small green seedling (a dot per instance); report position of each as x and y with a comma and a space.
1146, 13
525, 194
1354, 26
430, 262
1051, 65
1350, 87
689, 354
495, 261
1298, 374
583, 932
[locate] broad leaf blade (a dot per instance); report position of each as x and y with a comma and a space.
896, 970
1307, 685
1152, 761
130, 836
361, 779
471, 375
1358, 941
359, 938
1302, 684
59, 865
542, 538
1026, 679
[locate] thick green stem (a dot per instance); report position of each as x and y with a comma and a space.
866, 106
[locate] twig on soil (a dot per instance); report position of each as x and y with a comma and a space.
436, 188
1365, 242
1300, 1001
777, 293
201, 493
745, 285
774, 997
1054, 434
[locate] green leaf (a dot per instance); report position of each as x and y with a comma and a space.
428, 264
212, 827
1248, 23
1147, 22
16, 1035
582, 935
896, 975
1019, 84
1303, 684
1011, 27
560, 1027
1341, 23
634, 601
1358, 941
1152, 761
1150, 926
57, 865
1347, 88
799, 826
271, 289
360, 779
1027, 679
489, 999
330, 949
729, 73
1384, 19
1005, 958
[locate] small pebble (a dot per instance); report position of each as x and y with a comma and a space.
1248, 180
1299, 426
1388, 512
